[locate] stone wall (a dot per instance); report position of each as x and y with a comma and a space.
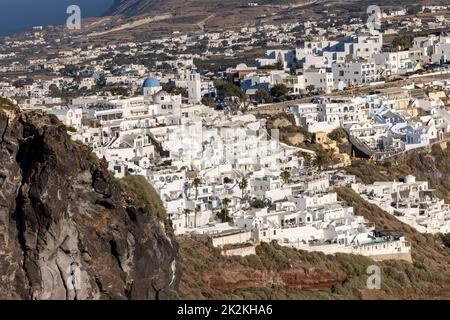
243, 251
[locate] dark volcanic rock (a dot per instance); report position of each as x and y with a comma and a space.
66, 229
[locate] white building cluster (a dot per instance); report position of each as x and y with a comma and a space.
381, 124
410, 201
326, 66
225, 176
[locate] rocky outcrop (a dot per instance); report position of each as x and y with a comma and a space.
67, 230
297, 278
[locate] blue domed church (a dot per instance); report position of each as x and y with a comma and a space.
150, 87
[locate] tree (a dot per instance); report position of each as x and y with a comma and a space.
279, 90
245, 103
228, 89
186, 212
171, 88
54, 90
227, 180
224, 212
276, 66
101, 81
445, 239
310, 88
414, 9
323, 158
120, 91
208, 101
71, 129
262, 96
70, 70
285, 176
259, 203
226, 202
243, 186
196, 210
22, 82
403, 42
196, 183
337, 135
320, 161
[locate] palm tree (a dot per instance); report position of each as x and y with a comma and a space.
243, 186
186, 212
186, 188
285, 176
196, 183
322, 159
225, 203
196, 210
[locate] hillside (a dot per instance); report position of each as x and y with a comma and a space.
144, 19
282, 273
68, 229
138, 7
61, 211
432, 165
427, 250
134, 7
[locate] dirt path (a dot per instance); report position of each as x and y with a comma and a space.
133, 24
201, 24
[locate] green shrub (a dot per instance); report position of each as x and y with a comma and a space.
338, 135
445, 239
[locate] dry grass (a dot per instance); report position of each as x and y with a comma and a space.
427, 250
5, 104
138, 188
209, 275
427, 165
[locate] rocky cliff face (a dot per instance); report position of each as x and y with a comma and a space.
295, 278
67, 230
